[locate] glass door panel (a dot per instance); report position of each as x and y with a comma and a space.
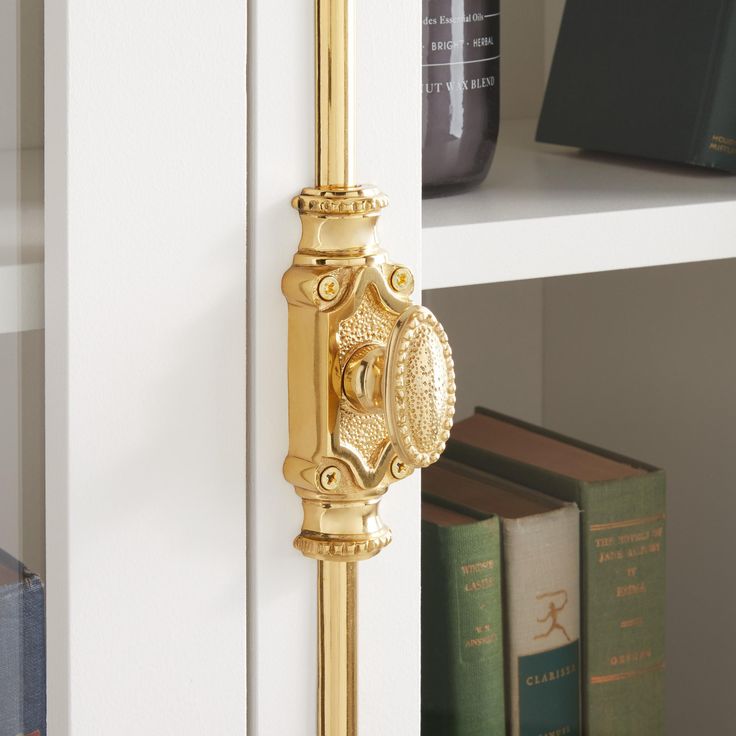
22, 537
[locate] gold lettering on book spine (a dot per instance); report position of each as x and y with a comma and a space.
628, 543
627, 523
477, 567
619, 676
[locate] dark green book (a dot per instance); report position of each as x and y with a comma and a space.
462, 625
655, 79
622, 503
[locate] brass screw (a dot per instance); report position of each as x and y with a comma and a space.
402, 280
328, 288
330, 478
399, 469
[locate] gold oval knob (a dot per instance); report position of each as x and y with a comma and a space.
411, 380
419, 387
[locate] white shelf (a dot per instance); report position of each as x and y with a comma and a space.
21, 240
550, 211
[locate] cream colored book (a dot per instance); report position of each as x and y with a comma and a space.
541, 572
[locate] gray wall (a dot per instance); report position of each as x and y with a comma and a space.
644, 362
496, 334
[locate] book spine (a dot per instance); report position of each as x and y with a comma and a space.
623, 592
34, 656
11, 660
715, 145
542, 602
462, 631
22, 658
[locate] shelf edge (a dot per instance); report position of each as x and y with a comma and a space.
516, 250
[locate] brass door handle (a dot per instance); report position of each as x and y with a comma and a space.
371, 381
411, 379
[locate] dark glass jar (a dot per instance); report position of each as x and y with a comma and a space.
460, 65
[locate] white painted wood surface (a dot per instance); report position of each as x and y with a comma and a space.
145, 389
282, 590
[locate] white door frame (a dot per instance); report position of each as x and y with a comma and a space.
145, 366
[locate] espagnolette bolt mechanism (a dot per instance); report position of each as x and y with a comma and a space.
371, 379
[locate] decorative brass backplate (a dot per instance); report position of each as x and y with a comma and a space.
371, 380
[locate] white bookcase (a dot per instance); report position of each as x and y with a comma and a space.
592, 293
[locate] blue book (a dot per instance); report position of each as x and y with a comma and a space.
22, 650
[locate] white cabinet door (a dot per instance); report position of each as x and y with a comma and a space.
146, 365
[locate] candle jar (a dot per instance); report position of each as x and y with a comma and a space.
460, 106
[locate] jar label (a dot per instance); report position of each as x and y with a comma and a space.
460, 100
461, 51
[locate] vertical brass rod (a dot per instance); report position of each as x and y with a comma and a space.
335, 89
334, 157
337, 673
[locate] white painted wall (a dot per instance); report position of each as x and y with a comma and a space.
145, 338
282, 615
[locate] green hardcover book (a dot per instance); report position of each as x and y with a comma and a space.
654, 79
462, 625
541, 593
716, 141
622, 503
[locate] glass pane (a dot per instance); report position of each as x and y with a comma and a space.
22, 538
